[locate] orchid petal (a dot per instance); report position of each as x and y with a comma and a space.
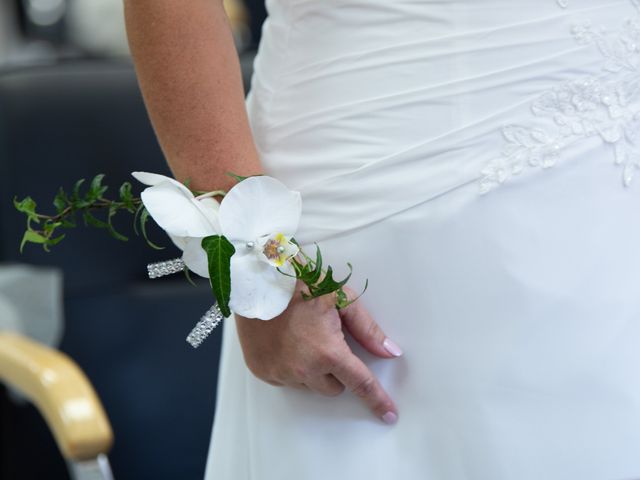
258, 290
152, 179
258, 206
195, 257
179, 242
210, 207
176, 212
149, 178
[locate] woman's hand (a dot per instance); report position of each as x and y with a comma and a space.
305, 347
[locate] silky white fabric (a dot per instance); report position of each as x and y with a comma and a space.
475, 161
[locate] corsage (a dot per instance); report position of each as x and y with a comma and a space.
244, 244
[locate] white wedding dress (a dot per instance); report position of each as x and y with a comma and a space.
475, 160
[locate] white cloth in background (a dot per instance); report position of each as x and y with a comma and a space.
9, 38
475, 161
31, 302
98, 26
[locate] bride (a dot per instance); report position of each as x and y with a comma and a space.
475, 161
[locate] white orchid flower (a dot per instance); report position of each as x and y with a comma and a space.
187, 219
259, 216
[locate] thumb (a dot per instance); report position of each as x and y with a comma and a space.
365, 330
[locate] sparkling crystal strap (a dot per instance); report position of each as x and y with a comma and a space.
168, 267
205, 326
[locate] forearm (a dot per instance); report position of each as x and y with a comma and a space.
189, 74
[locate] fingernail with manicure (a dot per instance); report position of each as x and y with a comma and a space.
391, 347
390, 418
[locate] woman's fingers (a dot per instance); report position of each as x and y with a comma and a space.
365, 330
357, 377
326, 385
304, 347
274, 383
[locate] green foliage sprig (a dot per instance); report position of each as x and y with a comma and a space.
44, 229
320, 281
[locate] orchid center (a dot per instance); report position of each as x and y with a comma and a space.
277, 249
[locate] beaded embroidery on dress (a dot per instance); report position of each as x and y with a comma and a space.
607, 105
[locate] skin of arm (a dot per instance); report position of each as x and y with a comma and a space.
189, 73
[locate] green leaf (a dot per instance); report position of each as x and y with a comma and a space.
329, 284
126, 196
310, 272
89, 219
144, 218
117, 235
55, 241
287, 274
27, 206
69, 222
60, 201
297, 267
75, 193
77, 201
49, 226
96, 189
318, 266
136, 218
342, 297
33, 237
238, 178
219, 251
113, 209
187, 274
96, 185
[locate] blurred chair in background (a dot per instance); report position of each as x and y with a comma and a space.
65, 398
31, 322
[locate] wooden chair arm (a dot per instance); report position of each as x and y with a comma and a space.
62, 393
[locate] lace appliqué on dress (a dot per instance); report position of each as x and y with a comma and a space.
600, 105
